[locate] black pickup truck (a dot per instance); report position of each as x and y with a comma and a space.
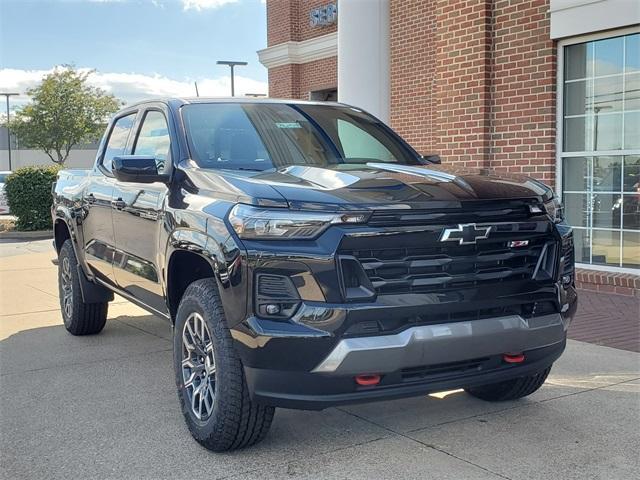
308, 257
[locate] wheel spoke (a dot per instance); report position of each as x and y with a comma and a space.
198, 366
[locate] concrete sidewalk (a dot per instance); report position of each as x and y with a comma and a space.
105, 407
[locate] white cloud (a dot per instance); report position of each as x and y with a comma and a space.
204, 4
132, 87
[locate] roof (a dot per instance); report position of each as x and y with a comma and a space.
191, 100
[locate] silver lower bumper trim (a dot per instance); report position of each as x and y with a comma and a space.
442, 343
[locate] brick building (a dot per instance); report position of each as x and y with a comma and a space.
548, 88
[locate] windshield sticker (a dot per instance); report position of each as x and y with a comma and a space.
288, 125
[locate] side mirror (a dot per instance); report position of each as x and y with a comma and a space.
137, 168
431, 158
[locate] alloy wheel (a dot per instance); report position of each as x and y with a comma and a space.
198, 366
67, 288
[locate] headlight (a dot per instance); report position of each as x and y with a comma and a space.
554, 210
280, 223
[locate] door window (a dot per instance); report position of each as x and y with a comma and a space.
117, 143
153, 139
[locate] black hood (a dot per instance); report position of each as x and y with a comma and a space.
370, 186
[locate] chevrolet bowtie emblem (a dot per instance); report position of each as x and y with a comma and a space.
465, 234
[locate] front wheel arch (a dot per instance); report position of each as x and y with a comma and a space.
183, 269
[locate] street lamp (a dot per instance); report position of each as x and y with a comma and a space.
7, 95
231, 65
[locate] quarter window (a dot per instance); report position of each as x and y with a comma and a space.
117, 143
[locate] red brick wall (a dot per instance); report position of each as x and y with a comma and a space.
523, 90
463, 70
319, 75
474, 80
296, 81
413, 71
288, 20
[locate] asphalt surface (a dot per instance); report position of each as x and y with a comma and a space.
105, 407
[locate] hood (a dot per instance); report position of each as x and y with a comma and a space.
373, 186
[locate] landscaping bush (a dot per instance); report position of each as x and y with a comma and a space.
29, 197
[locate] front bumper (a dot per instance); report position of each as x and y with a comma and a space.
415, 361
313, 391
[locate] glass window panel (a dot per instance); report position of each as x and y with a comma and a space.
632, 53
577, 134
632, 91
631, 179
575, 174
118, 140
606, 248
608, 129
608, 56
631, 211
631, 130
606, 210
631, 249
581, 244
578, 62
577, 97
607, 94
607, 173
576, 209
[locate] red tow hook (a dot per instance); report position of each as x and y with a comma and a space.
366, 380
513, 357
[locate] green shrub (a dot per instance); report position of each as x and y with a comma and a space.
28, 191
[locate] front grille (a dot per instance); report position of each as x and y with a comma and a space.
418, 262
476, 211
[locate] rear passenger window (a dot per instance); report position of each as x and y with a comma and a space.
117, 143
153, 139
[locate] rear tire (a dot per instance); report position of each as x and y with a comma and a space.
79, 318
212, 390
510, 389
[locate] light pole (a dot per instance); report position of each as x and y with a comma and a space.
231, 65
7, 95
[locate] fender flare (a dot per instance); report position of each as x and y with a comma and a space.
229, 275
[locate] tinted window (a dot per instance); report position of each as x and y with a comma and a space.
265, 136
153, 138
118, 140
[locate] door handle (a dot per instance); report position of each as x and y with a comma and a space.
118, 204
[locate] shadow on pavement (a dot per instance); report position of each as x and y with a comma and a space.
105, 406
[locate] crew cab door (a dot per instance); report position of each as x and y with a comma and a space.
138, 215
97, 227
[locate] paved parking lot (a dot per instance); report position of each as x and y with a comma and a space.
105, 407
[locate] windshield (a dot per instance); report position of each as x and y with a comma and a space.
267, 136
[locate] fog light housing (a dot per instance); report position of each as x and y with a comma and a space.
276, 297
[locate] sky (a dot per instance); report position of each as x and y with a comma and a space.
139, 48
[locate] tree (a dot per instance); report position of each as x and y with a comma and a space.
64, 111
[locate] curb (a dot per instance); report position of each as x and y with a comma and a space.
39, 235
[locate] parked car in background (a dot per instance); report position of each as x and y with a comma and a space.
4, 206
308, 257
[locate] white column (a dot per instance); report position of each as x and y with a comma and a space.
363, 55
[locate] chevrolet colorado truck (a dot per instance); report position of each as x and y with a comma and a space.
308, 257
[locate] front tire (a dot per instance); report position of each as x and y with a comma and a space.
510, 389
79, 318
210, 378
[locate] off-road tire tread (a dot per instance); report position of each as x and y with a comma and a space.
510, 389
87, 318
241, 421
